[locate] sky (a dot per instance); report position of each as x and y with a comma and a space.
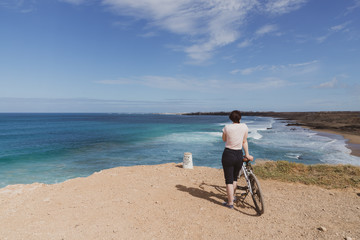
132, 56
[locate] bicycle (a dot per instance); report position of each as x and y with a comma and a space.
253, 187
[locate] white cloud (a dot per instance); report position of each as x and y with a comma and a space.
304, 64
19, 5
235, 71
248, 71
196, 84
331, 84
161, 82
294, 68
266, 29
11, 3
332, 30
266, 83
353, 7
77, 105
76, 2
211, 24
283, 6
245, 43
339, 27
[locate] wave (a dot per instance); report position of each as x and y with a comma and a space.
293, 155
223, 124
254, 134
191, 137
254, 130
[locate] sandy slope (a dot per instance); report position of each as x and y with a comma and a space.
168, 202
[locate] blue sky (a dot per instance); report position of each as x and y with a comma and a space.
179, 56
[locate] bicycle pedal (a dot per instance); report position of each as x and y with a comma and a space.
242, 187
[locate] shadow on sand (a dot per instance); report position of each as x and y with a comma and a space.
218, 196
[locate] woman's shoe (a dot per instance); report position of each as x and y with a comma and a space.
225, 204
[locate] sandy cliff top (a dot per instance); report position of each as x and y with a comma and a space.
168, 202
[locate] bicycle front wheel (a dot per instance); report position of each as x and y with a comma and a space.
257, 196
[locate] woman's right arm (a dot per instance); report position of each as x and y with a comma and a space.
224, 134
246, 146
224, 137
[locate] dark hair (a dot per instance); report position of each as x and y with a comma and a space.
235, 116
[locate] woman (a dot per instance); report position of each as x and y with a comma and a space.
235, 138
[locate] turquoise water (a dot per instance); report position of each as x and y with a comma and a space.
51, 148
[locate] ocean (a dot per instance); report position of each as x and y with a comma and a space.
52, 148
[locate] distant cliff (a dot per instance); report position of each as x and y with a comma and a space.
342, 121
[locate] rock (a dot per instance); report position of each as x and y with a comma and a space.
348, 238
322, 229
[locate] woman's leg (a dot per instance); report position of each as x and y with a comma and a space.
237, 168
230, 193
228, 158
234, 186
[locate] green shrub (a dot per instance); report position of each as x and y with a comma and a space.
328, 176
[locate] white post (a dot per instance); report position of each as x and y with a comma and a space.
187, 161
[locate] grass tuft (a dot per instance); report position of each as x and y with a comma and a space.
327, 176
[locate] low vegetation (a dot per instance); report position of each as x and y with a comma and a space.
328, 176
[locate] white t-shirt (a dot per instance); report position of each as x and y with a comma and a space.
235, 135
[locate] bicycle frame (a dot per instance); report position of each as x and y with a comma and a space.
253, 187
246, 172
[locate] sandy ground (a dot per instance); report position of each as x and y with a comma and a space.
169, 202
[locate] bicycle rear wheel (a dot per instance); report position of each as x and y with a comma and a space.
257, 195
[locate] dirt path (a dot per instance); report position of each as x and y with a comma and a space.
168, 202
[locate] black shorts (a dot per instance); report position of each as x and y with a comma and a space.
232, 161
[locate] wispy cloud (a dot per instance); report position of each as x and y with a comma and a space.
76, 2
248, 71
304, 67
211, 24
283, 6
148, 35
207, 25
304, 64
102, 105
265, 83
330, 84
339, 27
245, 43
161, 82
332, 30
353, 7
259, 33
196, 84
266, 29
19, 5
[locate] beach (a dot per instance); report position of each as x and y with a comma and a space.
168, 202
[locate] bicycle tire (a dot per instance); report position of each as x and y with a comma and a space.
257, 195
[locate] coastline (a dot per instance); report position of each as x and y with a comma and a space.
173, 203
343, 123
352, 140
